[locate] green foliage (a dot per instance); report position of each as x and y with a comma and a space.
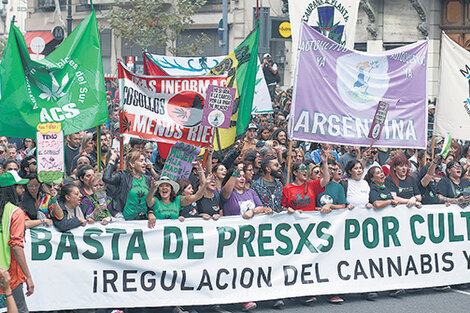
156, 22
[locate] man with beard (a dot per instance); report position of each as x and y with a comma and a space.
12, 231
368, 160
71, 150
268, 187
351, 155
105, 144
269, 190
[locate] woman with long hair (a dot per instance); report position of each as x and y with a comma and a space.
403, 187
98, 206
219, 171
131, 185
35, 202
186, 189
12, 226
300, 195
379, 195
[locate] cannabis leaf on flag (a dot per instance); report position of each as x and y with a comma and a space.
66, 86
240, 66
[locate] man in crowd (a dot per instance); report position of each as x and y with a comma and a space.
271, 75
351, 155
369, 159
72, 145
250, 138
268, 187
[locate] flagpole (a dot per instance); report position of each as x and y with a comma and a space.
289, 162
98, 147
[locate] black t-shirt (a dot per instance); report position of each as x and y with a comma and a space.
449, 189
429, 192
378, 193
209, 206
406, 188
189, 210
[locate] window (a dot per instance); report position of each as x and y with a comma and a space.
49, 5
455, 21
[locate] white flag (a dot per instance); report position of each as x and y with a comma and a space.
453, 106
335, 19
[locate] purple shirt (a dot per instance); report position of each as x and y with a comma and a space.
239, 203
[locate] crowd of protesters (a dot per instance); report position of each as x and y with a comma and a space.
253, 177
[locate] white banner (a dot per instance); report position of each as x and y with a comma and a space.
198, 262
335, 19
453, 105
194, 66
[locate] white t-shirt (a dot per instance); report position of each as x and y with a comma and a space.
358, 193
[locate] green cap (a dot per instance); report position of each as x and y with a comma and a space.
11, 178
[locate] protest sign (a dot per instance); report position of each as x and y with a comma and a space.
453, 106
348, 86
199, 262
162, 65
178, 163
50, 152
218, 106
379, 120
165, 109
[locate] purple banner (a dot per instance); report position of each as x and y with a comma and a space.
178, 164
337, 90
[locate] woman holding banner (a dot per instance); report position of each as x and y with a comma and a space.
380, 196
357, 189
403, 187
163, 201
132, 185
301, 194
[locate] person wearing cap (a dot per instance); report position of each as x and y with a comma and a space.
12, 225
250, 138
163, 201
271, 75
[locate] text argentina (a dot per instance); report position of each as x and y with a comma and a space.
335, 125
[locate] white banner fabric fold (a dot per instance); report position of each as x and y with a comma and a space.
453, 103
198, 262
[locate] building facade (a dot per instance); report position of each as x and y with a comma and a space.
381, 25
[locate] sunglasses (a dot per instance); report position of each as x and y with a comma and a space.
2, 151
373, 152
32, 163
316, 171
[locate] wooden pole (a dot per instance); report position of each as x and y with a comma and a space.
433, 142
98, 147
121, 143
289, 162
371, 143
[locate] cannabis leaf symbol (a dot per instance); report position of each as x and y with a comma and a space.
56, 91
126, 124
181, 113
140, 196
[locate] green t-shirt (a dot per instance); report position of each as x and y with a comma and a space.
334, 194
167, 211
136, 201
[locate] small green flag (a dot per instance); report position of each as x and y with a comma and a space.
241, 66
67, 86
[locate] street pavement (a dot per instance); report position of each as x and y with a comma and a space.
418, 301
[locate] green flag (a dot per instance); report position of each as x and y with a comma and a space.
241, 66
67, 86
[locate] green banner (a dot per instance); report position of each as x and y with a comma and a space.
67, 86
